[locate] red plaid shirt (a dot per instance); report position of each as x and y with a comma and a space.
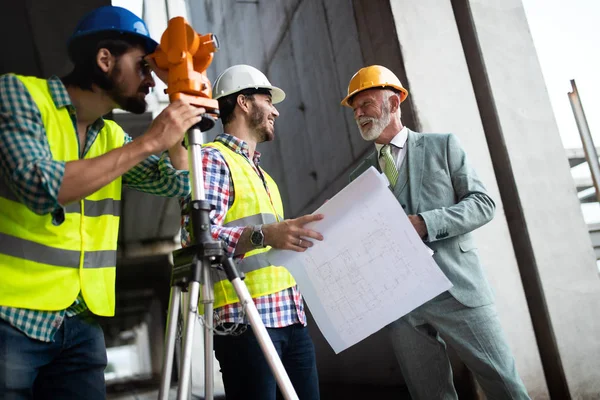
277, 310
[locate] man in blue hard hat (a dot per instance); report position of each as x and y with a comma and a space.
61, 170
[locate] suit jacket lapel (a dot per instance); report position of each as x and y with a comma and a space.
416, 161
373, 160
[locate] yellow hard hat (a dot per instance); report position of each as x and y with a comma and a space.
371, 77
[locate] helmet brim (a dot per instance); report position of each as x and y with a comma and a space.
403, 93
277, 95
150, 44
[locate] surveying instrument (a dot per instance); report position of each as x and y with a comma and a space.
186, 55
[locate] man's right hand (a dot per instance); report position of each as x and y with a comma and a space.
290, 234
170, 126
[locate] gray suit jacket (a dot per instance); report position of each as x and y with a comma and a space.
446, 192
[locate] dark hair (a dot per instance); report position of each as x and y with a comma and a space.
227, 104
83, 52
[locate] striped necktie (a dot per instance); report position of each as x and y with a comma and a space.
389, 164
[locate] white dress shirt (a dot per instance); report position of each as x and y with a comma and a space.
398, 143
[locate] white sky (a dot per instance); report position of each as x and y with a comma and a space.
566, 34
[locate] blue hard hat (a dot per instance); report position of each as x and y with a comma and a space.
113, 19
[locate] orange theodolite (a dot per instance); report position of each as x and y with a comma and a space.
187, 54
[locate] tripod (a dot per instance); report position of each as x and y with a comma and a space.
191, 273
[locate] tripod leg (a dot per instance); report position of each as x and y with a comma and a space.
264, 340
185, 305
172, 318
188, 339
207, 301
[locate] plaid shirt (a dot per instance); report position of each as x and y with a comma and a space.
277, 310
35, 178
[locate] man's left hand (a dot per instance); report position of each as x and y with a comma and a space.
419, 224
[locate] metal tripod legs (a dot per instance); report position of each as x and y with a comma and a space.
264, 340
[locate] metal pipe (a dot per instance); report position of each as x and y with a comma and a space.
194, 138
586, 137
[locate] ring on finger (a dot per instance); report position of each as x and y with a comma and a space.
299, 242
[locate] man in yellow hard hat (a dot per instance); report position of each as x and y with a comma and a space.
62, 166
445, 201
248, 217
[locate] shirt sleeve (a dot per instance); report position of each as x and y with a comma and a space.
219, 193
156, 175
31, 174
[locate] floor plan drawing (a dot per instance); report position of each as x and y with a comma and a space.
371, 269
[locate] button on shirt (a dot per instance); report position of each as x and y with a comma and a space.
398, 144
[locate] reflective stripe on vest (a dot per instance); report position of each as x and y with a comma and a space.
45, 266
96, 208
39, 253
255, 261
93, 208
258, 219
252, 205
245, 265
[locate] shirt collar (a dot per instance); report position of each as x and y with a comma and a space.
59, 93
397, 141
237, 145
61, 99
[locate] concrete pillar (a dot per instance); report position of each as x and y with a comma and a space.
551, 242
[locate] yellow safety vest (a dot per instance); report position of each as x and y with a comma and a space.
43, 266
251, 206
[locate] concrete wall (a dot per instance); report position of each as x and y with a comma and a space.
550, 238
311, 48
315, 145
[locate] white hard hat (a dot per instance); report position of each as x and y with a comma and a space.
240, 77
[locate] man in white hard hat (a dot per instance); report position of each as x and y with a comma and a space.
248, 217
445, 201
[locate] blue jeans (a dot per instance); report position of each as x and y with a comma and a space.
246, 373
71, 367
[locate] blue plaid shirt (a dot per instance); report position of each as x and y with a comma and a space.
277, 310
35, 178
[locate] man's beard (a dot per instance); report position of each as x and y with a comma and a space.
134, 104
378, 125
260, 125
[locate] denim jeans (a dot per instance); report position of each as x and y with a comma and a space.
246, 374
71, 367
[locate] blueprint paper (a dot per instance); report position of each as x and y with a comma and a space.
371, 268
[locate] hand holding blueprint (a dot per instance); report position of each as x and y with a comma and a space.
371, 268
